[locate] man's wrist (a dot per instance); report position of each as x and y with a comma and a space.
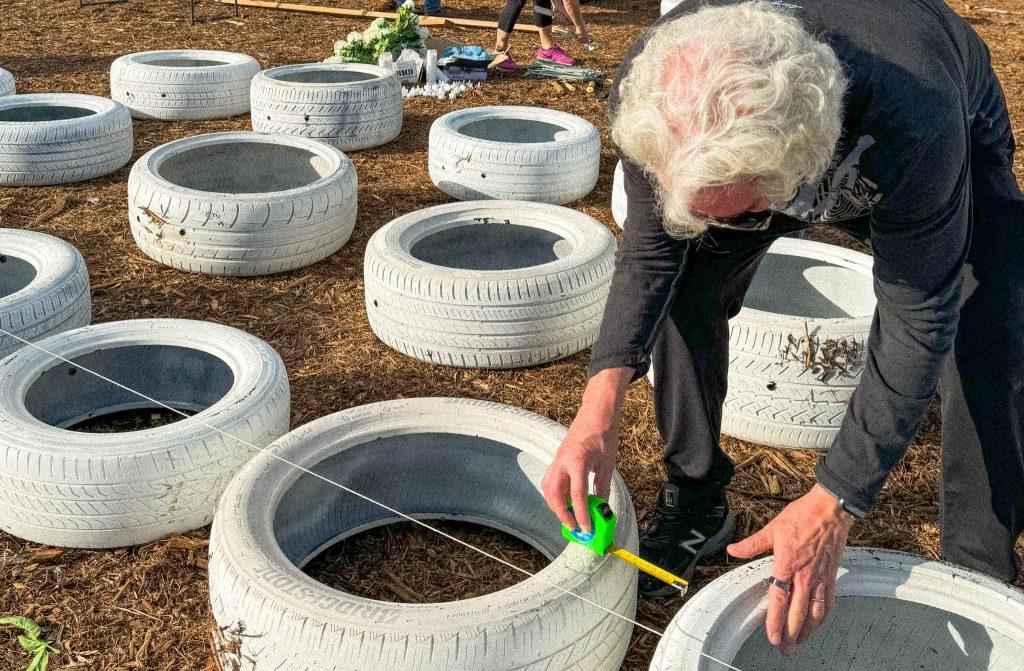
607, 387
833, 505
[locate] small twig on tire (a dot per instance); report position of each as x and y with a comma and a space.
833, 358
807, 355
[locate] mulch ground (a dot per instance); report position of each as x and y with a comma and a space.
146, 607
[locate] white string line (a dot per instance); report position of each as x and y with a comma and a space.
349, 490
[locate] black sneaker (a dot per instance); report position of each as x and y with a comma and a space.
688, 527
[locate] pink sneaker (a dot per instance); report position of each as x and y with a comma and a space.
555, 55
507, 65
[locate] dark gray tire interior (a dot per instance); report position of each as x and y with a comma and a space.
183, 378
490, 246
520, 131
29, 113
471, 478
812, 288
325, 76
15, 274
184, 62
883, 634
243, 167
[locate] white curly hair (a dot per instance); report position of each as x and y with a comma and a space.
726, 94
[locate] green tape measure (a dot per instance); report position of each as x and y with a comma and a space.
601, 541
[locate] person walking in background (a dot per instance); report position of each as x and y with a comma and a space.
542, 11
430, 7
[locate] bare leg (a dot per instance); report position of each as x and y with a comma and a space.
545, 38
501, 41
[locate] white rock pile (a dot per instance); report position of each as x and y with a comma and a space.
440, 90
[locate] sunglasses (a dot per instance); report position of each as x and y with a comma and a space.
748, 221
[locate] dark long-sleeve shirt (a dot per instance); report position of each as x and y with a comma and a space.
900, 177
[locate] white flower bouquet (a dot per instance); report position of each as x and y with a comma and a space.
382, 36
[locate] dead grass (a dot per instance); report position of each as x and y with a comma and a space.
147, 607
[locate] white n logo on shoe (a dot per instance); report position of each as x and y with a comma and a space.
693, 544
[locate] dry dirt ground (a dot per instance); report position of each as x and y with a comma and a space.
146, 607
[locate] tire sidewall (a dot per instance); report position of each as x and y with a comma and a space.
56, 262
258, 375
244, 552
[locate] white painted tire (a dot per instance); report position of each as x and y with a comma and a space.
619, 205
489, 284
776, 402
514, 153
57, 138
772, 401
350, 106
431, 458
99, 490
668, 5
44, 287
242, 203
7, 87
180, 84
894, 611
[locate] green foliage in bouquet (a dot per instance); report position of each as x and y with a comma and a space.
382, 36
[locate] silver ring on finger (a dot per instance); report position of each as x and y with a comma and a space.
818, 600
781, 584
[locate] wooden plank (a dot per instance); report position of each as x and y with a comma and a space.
425, 21
339, 11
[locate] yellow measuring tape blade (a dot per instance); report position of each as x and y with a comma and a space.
649, 568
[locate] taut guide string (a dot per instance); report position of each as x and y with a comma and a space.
362, 496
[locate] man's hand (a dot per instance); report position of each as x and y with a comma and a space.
807, 539
591, 446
